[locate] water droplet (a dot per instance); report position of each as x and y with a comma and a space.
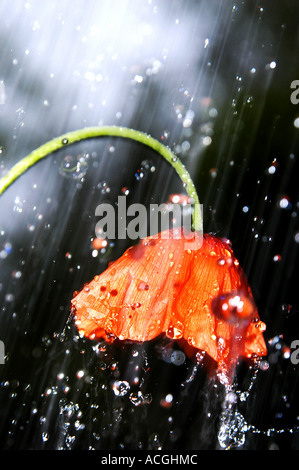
16, 274
120, 387
165, 135
143, 286
125, 191
8, 248
9, 297
233, 428
225, 261
175, 331
296, 122
264, 365
233, 306
154, 442
139, 399
65, 141
177, 358
104, 187
207, 140
99, 243
74, 166
284, 203
145, 169
188, 120
45, 436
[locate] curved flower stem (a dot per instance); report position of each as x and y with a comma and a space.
109, 131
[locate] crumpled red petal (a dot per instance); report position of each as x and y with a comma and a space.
162, 286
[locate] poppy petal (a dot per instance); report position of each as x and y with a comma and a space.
160, 286
133, 298
219, 318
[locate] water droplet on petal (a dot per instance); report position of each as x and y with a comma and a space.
143, 286
175, 331
233, 306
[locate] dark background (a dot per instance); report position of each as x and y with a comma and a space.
66, 66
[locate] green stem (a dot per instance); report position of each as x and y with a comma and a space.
110, 131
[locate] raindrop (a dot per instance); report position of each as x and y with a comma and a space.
45, 436
80, 374
9, 297
185, 146
143, 286
99, 243
125, 191
284, 203
207, 140
213, 172
74, 167
296, 122
8, 248
104, 187
233, 306
16, 274
264, 365
138, 79
145, 169
213, 113
120, 388
175, 331
188, 120
154, 442
165, 135
139, 399
167, 401
286, 309
177, 358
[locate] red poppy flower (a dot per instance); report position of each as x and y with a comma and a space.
197, 296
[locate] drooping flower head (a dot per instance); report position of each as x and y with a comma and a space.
160, 286
197, 295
